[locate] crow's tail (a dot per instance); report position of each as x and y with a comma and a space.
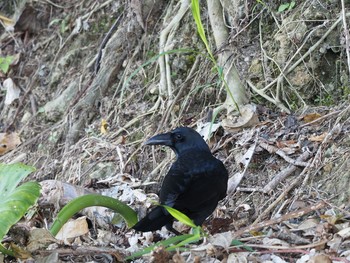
154, 220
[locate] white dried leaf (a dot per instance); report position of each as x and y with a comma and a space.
248, 118
344, 233
222, 240
275, 242
245, 207
86, 25
335, 242
12, 91
77, 26
248, 156
73, 228
276, 259
207, 129
140, 195
307, 224
233, 182
238, 257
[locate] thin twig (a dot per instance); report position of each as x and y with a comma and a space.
295, 214
273, 149
104, 43
346, 33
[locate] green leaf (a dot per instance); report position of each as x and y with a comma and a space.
236, 242
15, 201
77, 204
197, 18
179, 216
283, 7
11, 175
292, 4
164, 243
196, 13
195, 237
5, 63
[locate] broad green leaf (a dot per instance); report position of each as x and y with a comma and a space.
5, 63
15, 201
292, 4
180, 216
85, 201
11, 175
283, 7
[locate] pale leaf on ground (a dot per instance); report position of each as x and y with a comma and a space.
12, 91
73, 228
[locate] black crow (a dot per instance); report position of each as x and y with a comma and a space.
194, 185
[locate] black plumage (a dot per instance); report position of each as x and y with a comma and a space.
194, 185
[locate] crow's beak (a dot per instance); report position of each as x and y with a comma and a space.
160, 139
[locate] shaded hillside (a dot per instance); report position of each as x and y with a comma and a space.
97, 78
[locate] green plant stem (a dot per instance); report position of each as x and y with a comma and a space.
5, 251
85, 201
195, 237
164, 243
197, 17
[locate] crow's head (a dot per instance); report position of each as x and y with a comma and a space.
180, 140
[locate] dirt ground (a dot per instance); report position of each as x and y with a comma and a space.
89, 83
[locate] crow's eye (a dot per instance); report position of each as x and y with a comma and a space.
178, 136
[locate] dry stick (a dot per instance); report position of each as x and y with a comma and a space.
286, 217
346, 33
330, 136
104, 43
311, 49
286, 71
275, 98
334, 132
288, 249
285, 172
132, 122
55, 5
98, 7
84, 251
280, 198
165, 74
179, 93
273, 149
319, 119
262, 93
23, 98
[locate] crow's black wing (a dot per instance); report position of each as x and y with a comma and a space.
174, 184
194, 185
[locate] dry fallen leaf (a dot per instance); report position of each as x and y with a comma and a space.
221, 239
344, 233
311, 117
248, 118
104, 126
322, 258
39, 238
7, 21
318, 138
73, 228
12, 91
8, 142
20, 252
207, 129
